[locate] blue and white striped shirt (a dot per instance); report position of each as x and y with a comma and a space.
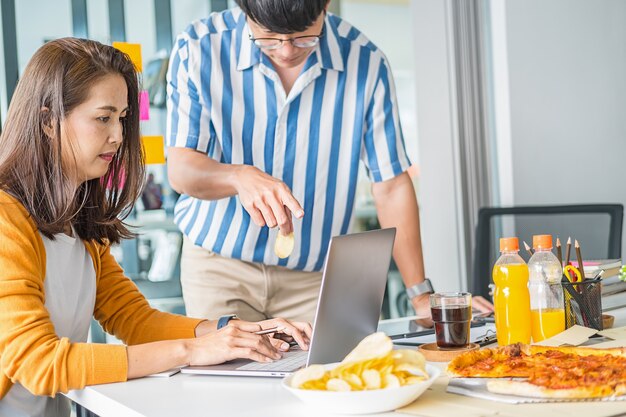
226, 100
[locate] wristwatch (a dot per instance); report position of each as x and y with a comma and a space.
419, 289
223, 321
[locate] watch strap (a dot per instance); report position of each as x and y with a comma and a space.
418, 289
223, 321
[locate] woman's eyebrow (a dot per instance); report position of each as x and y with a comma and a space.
111, 108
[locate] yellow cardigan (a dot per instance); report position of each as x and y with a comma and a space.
30, 351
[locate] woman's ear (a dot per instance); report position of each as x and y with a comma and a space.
47, 122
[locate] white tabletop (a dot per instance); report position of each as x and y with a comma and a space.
201, 395
194, 395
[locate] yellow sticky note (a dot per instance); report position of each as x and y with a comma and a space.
154, 149
133, 50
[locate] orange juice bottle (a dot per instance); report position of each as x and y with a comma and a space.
547, 323
511, 296
546, 293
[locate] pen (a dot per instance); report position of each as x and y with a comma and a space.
412, 334
272, 330
487, 340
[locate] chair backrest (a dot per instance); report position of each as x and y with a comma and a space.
598, 228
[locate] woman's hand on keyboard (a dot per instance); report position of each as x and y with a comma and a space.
232, 342
287, 331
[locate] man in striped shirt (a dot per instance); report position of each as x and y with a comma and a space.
271, 107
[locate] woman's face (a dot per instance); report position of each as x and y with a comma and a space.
92, 132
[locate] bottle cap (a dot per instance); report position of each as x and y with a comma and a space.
542, 242
509, 244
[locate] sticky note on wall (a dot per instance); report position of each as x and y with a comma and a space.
154, 149
133, 50
144, 105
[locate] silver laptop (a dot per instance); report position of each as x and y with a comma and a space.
348, 308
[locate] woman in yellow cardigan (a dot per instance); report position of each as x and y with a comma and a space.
71, 166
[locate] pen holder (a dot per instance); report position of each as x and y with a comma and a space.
583, 303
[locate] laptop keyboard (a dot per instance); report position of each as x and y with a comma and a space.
291, 361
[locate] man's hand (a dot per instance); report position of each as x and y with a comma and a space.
268, 200
481, 304
421, 304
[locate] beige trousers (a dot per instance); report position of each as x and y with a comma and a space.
214, 285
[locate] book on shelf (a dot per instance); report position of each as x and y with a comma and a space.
611, 267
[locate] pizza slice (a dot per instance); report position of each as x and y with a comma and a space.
548, 372
504, 361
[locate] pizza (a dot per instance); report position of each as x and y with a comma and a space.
547, 372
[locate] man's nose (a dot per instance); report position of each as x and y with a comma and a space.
288, 49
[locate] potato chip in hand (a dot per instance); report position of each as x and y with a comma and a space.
284, 245
373, 364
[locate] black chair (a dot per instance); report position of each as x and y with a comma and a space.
83, 412
598, 228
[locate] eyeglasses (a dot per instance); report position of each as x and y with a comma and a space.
269, 44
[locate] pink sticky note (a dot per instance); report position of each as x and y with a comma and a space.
144, 105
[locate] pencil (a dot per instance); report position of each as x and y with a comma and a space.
528, 249
579, 257
559, 255
567, 250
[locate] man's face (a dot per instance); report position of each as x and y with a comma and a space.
287, 56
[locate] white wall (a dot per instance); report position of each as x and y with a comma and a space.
389, 25
438, 144
98, 21
567, 75
38, 21
140, 26
186, 11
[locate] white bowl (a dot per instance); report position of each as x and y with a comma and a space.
363, 402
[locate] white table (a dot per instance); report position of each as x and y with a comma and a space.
194, 395
199, 395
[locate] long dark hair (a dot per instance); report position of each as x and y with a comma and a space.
58, 78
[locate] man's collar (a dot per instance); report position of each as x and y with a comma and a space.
248, 54
328, 50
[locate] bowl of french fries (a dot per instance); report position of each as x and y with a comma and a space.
373, 378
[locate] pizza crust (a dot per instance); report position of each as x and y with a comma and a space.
525, 389
576, 350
